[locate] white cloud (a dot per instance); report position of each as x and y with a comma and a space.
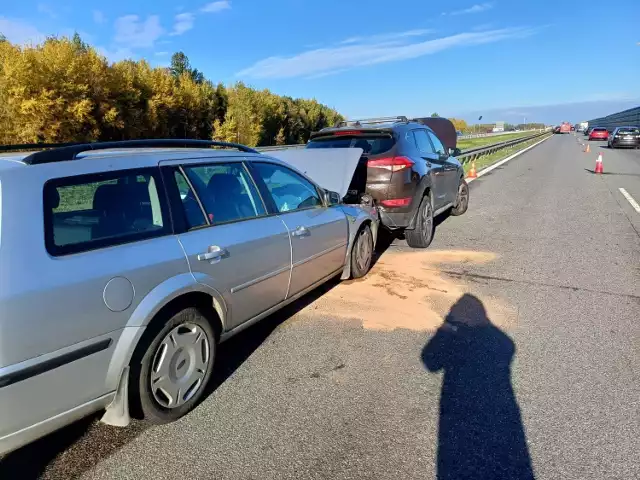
47, 10
20, 32
218, 6
183, 23
369, 51
132, 32
477, 8
99, 17
161, 54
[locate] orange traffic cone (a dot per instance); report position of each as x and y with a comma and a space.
588, 149
599, 166
472, 171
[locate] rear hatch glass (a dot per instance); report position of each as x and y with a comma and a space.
628, 131
372, 145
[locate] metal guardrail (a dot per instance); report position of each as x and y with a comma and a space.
465, 156
630, 117
474, 153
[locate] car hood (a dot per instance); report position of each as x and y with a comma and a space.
331, 168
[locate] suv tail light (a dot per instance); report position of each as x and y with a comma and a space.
394, 164
396, 202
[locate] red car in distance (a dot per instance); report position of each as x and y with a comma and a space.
599, 133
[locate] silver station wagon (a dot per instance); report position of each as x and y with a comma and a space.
124, 264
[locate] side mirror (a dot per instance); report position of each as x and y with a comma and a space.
454, 152
333, 198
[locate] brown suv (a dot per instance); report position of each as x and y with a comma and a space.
411, 174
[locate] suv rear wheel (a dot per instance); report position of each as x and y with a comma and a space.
175, 367
462, 200
421, 236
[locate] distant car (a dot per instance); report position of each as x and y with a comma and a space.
587, 131
407, 166
599, 133
625, 137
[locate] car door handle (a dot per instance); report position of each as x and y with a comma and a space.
300, 232
214, 252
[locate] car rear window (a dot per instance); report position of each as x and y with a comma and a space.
369, 145
99, 210
627, 131
599, 130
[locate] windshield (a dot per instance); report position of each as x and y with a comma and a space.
369, 145
629, 130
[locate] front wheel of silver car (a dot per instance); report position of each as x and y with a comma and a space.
362, 252
176, 366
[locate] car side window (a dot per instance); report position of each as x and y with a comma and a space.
422, 142
289, 190
226, 191
437, 144
100, 210
192, 211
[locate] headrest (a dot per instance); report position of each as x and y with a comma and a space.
53, 198
107, 195
223, 184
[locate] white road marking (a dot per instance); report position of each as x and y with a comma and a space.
505, 160
631, 200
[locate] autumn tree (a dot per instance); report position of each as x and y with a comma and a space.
180, 66
461, 125
63, 90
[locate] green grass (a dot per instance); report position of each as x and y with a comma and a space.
487, 160
482, 141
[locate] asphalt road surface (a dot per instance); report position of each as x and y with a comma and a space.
534, 373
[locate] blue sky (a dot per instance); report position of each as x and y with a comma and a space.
545, 60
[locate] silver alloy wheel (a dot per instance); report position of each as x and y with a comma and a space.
180, 365
363, 249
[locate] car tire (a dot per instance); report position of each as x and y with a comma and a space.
167, 372
362, 252
462, 200
422, 234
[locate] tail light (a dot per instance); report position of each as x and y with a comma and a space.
396, 202
394, 164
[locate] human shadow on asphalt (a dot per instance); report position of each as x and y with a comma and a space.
75, 449
480, 432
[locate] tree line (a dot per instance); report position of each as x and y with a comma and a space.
63, 90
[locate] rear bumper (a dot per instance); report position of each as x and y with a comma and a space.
625, 143
394, 219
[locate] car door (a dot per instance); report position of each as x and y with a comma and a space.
435, 166
231, 243
318, 233
449, 168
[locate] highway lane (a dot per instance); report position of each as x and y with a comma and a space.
327, 390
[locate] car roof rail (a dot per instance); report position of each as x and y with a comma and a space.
360, 121
71, 152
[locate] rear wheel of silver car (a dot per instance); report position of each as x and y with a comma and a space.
362, 252
422, 234
175, 367
462, 200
